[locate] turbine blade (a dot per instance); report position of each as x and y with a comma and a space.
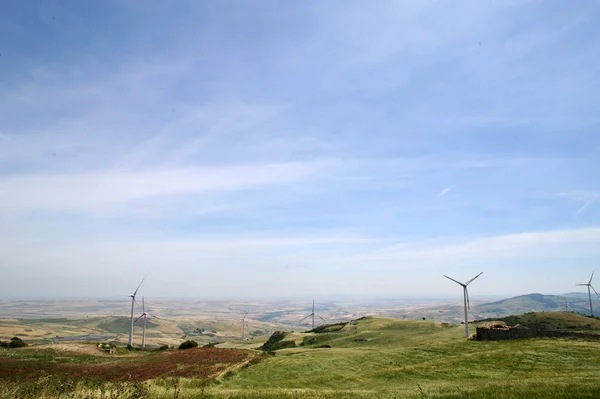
598, 295
450, 278
143, 305
306, 317
135, 321
136, 290
468, 302
590, 282
583, 284
322, 318
469, 282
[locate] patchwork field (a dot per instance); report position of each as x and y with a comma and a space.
116, 329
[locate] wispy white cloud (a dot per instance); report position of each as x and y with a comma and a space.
446, 191
540, 245
86, 191
584, 206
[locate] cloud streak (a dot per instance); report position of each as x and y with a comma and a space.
446, 191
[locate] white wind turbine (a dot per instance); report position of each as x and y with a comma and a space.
144, 315
313, 316
466, 299
589, 285
132, 303
244, 324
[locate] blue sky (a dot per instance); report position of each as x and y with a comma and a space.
299, 148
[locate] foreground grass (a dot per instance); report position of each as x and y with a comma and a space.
384, 358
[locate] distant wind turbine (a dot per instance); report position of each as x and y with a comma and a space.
313, 316
133, 303
243, 324
466, 299
589, 285
144, 315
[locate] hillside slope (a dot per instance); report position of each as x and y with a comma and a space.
385, 358
533, 303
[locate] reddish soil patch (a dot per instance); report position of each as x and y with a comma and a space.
202, 363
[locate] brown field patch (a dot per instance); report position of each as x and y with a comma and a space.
200, 363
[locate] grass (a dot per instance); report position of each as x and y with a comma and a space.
387, 358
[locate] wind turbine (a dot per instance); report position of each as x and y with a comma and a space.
313, 316
132, 303
466, 299
589, 285
145, 316
243, 324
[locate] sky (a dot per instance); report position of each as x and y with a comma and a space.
298, 148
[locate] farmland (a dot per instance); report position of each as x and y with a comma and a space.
371, 357
200, 363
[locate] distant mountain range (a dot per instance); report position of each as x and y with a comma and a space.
575, 301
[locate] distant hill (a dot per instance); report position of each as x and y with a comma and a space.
534, 303
121, 325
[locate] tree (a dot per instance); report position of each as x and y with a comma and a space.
188, 344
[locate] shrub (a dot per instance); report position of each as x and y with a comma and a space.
163, 347
129, 347
276, 342
14, 342
210, 345
188, 344
309, 341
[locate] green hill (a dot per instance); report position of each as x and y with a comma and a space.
388, 358
121, 325
532, 303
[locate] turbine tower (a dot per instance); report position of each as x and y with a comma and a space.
243, 324
466, 299
132, 303
589, 285
145, 316
313, 316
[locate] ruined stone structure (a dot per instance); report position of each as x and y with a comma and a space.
498, 332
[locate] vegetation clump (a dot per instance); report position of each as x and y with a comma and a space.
328, 328
276, 342
188, 344
14, 342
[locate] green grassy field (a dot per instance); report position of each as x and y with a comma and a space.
388, 358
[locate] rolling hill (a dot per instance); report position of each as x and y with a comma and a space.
533, 303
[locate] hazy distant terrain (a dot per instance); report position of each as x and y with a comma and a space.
220, 321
